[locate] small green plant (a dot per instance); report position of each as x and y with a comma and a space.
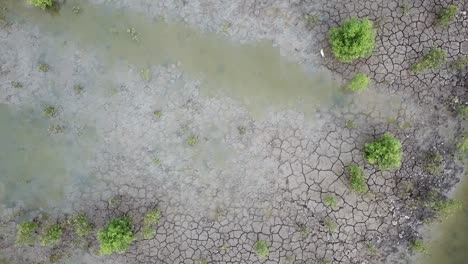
358, 83
242, 130
117, 236
311, 20
350, 124
447, 15
432, 60
303, 230
357, 179
43, 67
385, 152
43, 4
417, 246
50, 111
16, 85
330, 200
81, 225
405, 7
462, 111
78, 89
56, 129
192, 140
262, 248
459, 63
76, 10
372, 249
446, 208
353, 40
462, 146
25, 233
433, 163
51, 235
145, 74
202, 261
330, 225
151, 218
157, 113
224, 248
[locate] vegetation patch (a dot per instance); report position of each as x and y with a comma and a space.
50, 111
330, 200
462, 111
417, 246
26, 233
81, 225
151, 218
385, 152
432, 60
358, 83
51, 235
43, 4
43, 67
447, 15
445, 208
433, 163
78, 89
330, 225
117, 236
262, 249
459, 63
353, 40
357, 179
192, 140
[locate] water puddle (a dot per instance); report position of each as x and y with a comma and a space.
255, 74
35, 166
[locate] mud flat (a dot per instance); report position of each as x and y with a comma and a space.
218, 131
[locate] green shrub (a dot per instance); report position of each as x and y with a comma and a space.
50, 111
358, 83
192, 140
460, 63
262, 248
462, 110
432, 60
417, 245
43, 67
25, 234
357, 179
463, 145
330, 201
330, 225
51, 234
116, 236
353, 40
44, 4
81, 225
446, 208
151, 218
384, 152
447, 15
433, 163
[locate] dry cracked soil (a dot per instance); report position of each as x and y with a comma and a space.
224, 116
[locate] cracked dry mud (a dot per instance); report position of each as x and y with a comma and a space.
249, 177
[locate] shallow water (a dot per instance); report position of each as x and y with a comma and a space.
255, 74
450, 242
35, 166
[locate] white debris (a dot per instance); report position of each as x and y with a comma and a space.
322, 53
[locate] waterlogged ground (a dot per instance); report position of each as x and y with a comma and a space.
159, 105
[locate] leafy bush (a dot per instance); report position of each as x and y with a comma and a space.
50, 111
81, 225
357, 179
330, 201
358, 83
384, 152
433, 163
353, 40
262, 248
25, 234
51, 234
44, 4
460, 63
432, 60
447, 15
116, 236
417, 245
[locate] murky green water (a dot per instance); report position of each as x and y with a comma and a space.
35, 166
450, 242
255, 74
